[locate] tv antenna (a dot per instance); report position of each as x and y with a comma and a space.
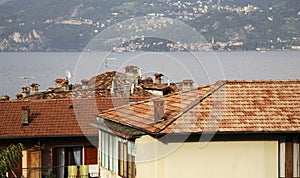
26, 80
109, 59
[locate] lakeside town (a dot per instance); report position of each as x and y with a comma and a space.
140, 103
226, 26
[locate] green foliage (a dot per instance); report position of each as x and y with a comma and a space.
10, 157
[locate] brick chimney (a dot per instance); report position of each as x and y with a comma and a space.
158, 77
85, 84
5, 97
132, 74
25, 115
26, 91
159, 109
34, 88
187, 85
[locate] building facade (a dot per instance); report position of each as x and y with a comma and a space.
227, 129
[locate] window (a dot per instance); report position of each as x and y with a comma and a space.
126, 159
108, 151
289, 157
117, 155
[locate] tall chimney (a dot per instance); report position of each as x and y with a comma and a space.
187, 85
159, 109
132, 74
158, 77
34, 88
25, 115
85, 84
26, 91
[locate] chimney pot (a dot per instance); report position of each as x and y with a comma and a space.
159, 109
25, 115
59, 82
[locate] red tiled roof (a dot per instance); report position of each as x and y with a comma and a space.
52, 118
226, 106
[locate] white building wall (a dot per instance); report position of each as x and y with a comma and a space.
232, 159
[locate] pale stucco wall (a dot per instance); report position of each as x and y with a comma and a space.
104, 173
232, 159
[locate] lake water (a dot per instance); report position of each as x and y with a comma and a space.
202, 67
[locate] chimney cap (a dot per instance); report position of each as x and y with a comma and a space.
19, 95
51, 89
157, 74
187, 81
34, 84
131, 68
59, 80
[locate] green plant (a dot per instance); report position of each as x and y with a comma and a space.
10, 157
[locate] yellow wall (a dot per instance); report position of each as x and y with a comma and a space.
232, 159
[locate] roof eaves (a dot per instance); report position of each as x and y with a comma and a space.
138, 130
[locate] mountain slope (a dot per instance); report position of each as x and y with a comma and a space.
64, 25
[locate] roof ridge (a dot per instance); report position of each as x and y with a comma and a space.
194, 103
262, 81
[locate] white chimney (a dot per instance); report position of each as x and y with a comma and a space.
26, 91
187, 85
34, 88
85, 84
132, 74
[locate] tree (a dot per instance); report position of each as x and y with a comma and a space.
10, 157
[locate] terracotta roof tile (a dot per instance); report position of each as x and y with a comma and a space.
226, 106
54, 117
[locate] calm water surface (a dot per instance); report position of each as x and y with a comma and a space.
202, 67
